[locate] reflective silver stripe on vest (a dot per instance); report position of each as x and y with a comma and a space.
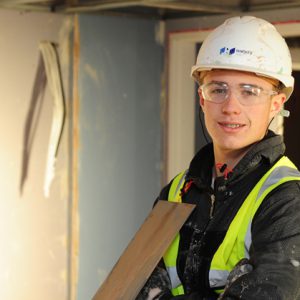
248, 240
273, 178
175, 281
276, 175
218, 278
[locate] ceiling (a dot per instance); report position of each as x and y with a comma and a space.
166, 9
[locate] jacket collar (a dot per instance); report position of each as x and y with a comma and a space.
268, 150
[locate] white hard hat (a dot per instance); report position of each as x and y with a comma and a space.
247, 44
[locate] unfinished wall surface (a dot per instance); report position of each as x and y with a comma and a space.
34, 229
119, 148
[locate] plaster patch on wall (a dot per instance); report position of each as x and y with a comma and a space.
63, 275
163, 118
160, 33
51, 254
75, 250
65, 41
92, 73
163, 98
63, 240
62, 177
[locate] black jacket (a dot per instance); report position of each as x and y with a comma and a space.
273, 271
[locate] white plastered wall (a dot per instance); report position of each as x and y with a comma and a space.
33, 228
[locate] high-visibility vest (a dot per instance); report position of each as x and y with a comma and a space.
237, 241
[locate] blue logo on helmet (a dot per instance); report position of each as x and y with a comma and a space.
227, 51
232, 51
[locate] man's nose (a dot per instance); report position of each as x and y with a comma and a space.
232, 103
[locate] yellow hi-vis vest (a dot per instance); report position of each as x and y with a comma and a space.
237, 241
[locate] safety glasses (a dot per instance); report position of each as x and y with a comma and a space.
247, 94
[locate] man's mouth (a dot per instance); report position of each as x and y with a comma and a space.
231, 125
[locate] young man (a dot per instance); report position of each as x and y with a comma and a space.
243, 239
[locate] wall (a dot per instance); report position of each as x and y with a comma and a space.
119, 146
33, 229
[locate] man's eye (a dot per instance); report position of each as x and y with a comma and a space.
218, 91
252, 92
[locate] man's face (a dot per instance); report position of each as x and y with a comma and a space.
232, 125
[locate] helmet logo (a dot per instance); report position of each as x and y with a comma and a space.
233, 51
227, 51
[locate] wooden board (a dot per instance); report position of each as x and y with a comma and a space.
144, 251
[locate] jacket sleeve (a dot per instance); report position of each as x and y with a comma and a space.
273, 270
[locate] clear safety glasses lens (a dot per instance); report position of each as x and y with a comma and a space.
247, 94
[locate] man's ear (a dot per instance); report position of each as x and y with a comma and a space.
201, 100
277, 104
